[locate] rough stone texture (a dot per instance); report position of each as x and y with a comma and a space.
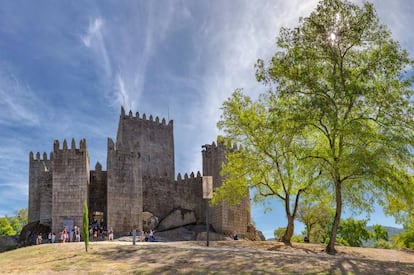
212, 236
163, 195
254, 234
156, 139
40, 183
124, 188
178, 217
149, 221
139, 177
29, 233
70, 183
45, 189
224, 219
177, 234
8, 242
98, 193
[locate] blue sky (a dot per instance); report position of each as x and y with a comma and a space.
66, 67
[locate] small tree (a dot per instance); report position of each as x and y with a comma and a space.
354, 232
5, 227
279, 233
85, 226
315, 216
380, 233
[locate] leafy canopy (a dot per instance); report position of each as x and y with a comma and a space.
268, 162
345, 77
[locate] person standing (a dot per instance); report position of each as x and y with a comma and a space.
111, 234
134, 235
77, 234
39, 239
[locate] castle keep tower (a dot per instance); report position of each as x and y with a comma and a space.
40, 188
70, 184
156, 139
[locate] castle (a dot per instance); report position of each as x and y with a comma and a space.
140, 178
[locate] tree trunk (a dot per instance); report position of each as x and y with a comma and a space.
330, 248
289, 231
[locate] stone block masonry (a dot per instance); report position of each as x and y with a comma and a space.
140, 178
70, 184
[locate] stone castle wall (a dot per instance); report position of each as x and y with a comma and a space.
161, 195
40, 183
124, 194
70, 183
98, 192
140, 177
156, 139
46, 198
224, 218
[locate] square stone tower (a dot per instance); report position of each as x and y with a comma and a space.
70, 184
124, 189
40, 188
223, 217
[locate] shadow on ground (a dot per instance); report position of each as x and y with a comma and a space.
168, 259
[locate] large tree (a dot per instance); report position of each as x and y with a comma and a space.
346, 79
269, 162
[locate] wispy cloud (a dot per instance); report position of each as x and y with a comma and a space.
227, 44
18, 103
124, 47
94, 39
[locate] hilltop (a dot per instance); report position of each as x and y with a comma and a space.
194, 257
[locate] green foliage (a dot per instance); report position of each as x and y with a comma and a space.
269, 162
19, 220
297, 239
6, 229
317, 218
353, 232
406, 238
279, 232
85, 226
384, 244
342, 241
10, 226
380, 233
344, 78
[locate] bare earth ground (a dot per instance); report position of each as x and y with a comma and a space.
225, 257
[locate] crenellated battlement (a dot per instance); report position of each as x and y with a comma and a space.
221, 144
190, 179
82, 146
44, 158
140, 177
144, 120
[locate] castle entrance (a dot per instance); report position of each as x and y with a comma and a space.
98, 219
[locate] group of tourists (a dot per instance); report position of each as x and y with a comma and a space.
143, 236
51, 238
73, 235
96, 233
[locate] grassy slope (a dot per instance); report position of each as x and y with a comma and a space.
192, 257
